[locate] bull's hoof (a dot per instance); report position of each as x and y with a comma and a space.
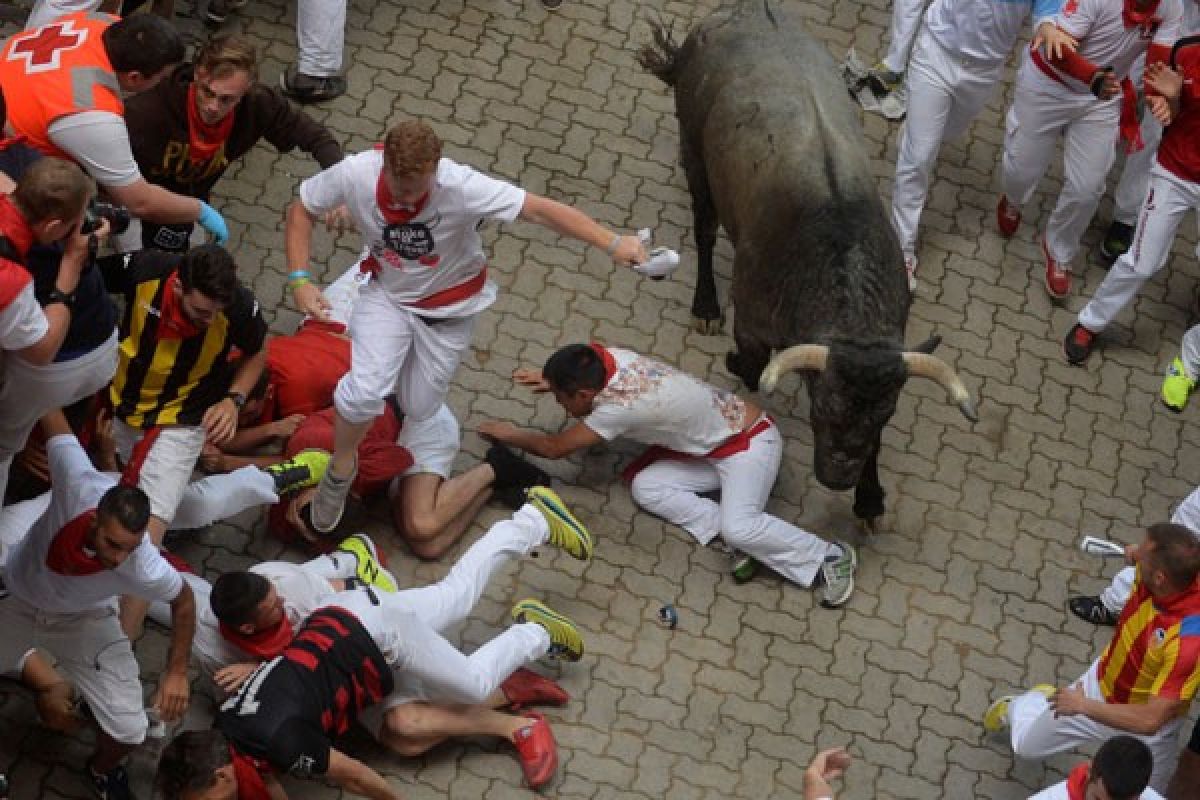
707, 327
733, 363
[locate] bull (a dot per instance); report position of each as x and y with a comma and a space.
773, 152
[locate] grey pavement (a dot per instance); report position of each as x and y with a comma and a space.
961, 596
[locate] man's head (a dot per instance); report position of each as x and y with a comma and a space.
1169, 558
226, 68
196, 765
51, 196
575, 374
246, 602
207, 282
1121, 770
142, 49
120, 525
411, 152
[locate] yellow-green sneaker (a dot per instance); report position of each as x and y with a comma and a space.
301, 471
566, 532
995, 719
565, 640
1177, 386
369, 569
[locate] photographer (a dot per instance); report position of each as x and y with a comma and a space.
55, 315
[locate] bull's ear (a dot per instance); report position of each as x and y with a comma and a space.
927, 346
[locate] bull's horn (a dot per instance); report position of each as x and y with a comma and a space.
924, 365
800, 357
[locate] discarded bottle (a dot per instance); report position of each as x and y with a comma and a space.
744, 569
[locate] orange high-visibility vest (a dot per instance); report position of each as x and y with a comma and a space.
57, 70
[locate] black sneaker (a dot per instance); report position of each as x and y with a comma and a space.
1093, 610
218, 10
512, 470
1116, 241
112, 786
311, 88
1078, 344
551, 5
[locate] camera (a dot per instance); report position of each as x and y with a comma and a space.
118, 217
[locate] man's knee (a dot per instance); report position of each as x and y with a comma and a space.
647, 492
127, 727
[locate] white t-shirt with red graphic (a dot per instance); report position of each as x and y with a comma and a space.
1099, 27
437, 249
29, 575
653, 403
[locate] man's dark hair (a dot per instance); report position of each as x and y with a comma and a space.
128, 505
210, 270
144, 43
1123, 764
574, 367
236, 595
190, 763
1176, 552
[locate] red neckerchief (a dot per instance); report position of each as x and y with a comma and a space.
606, 358
14, 226
248, 772
1077, 782
66, 555
1140, 18
393, 212
174, 324
1129, 126
263, 645
204, 140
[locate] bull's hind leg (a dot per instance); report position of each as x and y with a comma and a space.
749, 360
706, 307
869, 494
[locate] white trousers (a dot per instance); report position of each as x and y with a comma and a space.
320, 37
1135, 174
27, 392
1167, 200
671, 489
1037, 733
1187, 514
906, 21
49, 10
945, 93
426, 667
396, 350
1190, 355
1042, 112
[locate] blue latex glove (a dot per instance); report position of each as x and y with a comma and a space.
212, 221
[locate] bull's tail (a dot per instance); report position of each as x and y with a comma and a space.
662, 57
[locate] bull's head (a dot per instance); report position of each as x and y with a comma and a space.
853, 392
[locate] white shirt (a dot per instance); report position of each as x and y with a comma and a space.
22, 322
653, 403
78, 487
439, 248
1105, 41
1059, 792
301, 591
984, 30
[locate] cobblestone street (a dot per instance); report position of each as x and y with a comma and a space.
961, 595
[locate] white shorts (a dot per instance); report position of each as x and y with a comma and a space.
166, 469
433, 443
92, 652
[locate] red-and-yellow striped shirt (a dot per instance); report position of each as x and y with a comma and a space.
1155, 651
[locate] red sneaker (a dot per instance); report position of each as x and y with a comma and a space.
526, 688
537, 750
1058, 280
1008, 219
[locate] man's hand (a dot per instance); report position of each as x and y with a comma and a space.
172, 698
220, 421
830, 763
338, 221
630, 252
231, 677
1161, 78
57, 707
1105, 84
33, 459
312, 301
104, 443
295, 508
284, 428
1053, 40
212, 459
1069, 701
531, 378
497, 431
1160, 109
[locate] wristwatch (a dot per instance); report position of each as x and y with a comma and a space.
238, 399
58, 296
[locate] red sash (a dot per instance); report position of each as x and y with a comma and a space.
1128, 127
738, 443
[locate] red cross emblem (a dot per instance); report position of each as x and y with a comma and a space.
40, 48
